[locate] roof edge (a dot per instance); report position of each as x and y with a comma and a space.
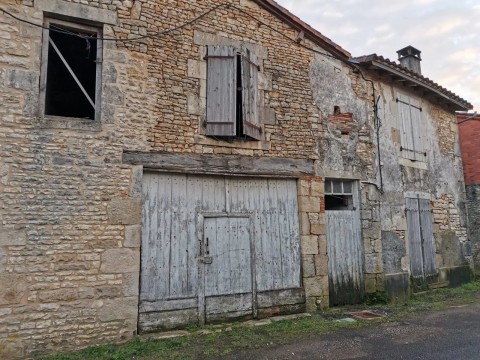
402, 72
312, 34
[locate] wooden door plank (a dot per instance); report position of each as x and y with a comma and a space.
429, 249
414, 236
178, 267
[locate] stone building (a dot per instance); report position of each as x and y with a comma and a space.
469, 127
177, 162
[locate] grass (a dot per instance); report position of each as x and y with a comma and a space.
216, 344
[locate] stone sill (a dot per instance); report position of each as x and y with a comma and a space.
67, 123
238, 144
414, 164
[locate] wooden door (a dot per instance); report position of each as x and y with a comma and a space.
253, 265
227, 268
344, 243
345, 258
420, 235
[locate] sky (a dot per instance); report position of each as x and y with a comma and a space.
447, 32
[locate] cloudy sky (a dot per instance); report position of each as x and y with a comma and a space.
446, 31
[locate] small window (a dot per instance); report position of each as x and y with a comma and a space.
232, 93
339, 195
410, 113
71, 69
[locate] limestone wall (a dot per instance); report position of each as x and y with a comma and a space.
70, 210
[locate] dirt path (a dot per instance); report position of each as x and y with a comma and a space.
450, 334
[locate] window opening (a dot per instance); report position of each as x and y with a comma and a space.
71, 78
232, 93
339, 195
239, 109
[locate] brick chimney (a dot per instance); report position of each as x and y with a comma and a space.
409, 57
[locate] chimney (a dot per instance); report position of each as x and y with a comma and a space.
409, 57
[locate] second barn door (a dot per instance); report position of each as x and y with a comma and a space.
344, 243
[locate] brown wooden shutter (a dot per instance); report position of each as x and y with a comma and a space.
221, 90
251, 122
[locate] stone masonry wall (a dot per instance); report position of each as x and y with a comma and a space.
70, 211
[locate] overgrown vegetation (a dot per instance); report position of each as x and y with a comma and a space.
238, 337
377, 298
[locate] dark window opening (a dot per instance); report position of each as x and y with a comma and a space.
64, 97
339, 202
239, 110
336, 110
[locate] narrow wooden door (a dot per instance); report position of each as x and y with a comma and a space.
420, 234
345, 257
227, 267
344, 242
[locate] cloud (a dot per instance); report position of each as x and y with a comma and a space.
444, 30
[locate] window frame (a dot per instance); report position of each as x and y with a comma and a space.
349, 197
44, 67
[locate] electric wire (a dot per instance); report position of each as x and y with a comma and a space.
193, 21
173, 29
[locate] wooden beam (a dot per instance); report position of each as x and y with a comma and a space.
220, 165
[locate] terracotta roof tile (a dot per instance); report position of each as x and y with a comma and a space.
369, 59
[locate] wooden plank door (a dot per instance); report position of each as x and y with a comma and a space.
227, 268
345, 257
420, 237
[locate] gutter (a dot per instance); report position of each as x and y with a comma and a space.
419, 83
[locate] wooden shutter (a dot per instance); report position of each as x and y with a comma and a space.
221, 90
416, 118
251, 123
411, 128
408, 147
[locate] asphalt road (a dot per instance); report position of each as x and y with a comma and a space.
450, 334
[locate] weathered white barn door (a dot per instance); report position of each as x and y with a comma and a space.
344, 243
421, 242
227, 267
217, 248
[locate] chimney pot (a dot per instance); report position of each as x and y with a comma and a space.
409, 57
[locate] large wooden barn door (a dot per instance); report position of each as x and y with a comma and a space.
216, 248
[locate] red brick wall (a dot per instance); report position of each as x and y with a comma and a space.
470, 144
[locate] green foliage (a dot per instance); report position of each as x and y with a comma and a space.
377, 298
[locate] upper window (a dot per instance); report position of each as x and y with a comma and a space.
232, 93
71, 70
410, 114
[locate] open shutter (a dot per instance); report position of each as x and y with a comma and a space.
408, 147
251, 122
221, 90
